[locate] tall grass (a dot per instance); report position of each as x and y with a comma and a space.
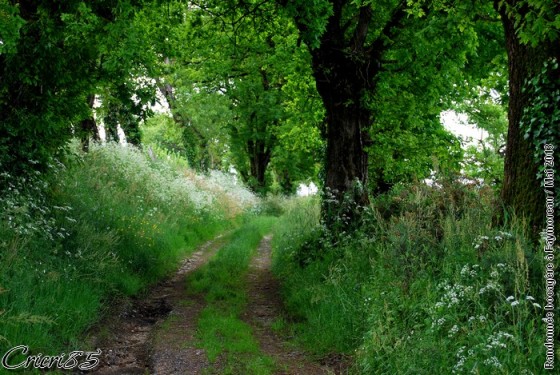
430, 285
109, 224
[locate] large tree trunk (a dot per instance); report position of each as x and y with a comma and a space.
346, 159
522, 191
342, 79
346, 63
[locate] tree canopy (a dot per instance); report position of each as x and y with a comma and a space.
345, 93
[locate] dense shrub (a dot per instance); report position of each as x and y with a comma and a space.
427, 285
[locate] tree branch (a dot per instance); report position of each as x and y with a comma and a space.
388, 31
360, 33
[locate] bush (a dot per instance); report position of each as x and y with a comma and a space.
428, 285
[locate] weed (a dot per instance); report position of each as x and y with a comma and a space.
108, 224
427, 285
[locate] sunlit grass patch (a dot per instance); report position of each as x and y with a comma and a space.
109, 224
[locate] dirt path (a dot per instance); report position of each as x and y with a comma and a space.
264, 307
151, 335
156, 334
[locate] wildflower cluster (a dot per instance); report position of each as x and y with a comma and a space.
483, 242
478, 317
167, 187
469, 359
24, 208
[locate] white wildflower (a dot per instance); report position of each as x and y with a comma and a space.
453, 331
493, 361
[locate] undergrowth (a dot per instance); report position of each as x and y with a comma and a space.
429, 285
108, 224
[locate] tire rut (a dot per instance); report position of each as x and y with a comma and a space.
264, 307
151, 335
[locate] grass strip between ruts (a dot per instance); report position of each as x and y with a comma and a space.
222, 333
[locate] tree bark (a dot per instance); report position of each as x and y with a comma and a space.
521, 190
346, 159
344, 71
346, 63
259, 157
89, 127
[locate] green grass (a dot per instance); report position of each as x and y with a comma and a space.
108, 225
430, 285
221, 331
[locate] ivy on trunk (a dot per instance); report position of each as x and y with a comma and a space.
522, 191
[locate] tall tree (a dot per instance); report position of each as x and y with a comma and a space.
51, 68
346, 58
258, 56
532, 40
374, 62
44, 77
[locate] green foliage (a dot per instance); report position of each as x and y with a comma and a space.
62, 54
541, 117
236, 103
125, 105
300, 145
414, 154
429, 285
162, 131
484, 161
10, 24
428, 64
536, 21
484, 164
205, 137
108, 225
312, 15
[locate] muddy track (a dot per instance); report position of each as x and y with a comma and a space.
264, 307
132, 341
156, 334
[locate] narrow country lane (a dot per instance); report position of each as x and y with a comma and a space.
160, 333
